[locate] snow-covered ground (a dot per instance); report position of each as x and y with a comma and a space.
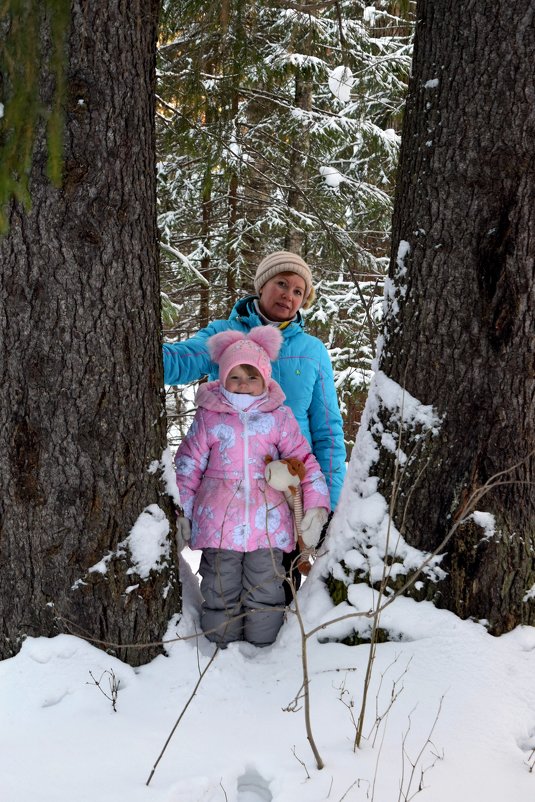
463, 711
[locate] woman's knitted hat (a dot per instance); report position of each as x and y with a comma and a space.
258, 348
284, 262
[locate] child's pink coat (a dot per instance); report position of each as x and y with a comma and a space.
220, 472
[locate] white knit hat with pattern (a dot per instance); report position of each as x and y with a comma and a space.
283, 262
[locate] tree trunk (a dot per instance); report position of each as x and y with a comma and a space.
295, 237
232, 236
81, 406
257, 188
206, 259
460, 315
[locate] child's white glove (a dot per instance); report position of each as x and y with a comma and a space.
312, 525
183, 531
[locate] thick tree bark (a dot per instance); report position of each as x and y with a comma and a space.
81, 404
460, 326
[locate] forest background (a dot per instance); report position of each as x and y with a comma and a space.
279, 128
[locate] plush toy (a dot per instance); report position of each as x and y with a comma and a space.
286, 475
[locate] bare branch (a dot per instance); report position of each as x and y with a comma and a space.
179, 719
301, 762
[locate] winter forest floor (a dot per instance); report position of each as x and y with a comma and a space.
451, 711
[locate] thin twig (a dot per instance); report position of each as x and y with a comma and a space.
348, 790
114, 686
301, 762
387, 570
379, 753
406, 797
394, 695
223, 788
306, 679
179, 719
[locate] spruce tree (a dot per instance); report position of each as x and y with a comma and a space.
85, 524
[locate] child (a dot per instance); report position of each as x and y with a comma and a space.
242, 525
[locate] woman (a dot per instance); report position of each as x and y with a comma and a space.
283, 283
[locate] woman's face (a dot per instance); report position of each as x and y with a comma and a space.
282, 296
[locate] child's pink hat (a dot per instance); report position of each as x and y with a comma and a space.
258, 348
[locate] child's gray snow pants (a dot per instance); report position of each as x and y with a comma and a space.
243, 595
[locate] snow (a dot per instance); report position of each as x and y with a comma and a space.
168, 476
341, 82
530, 594
404, 249
332, 177
487, 522
395, 288
411, 411
370, 14
148, 542
445, 695
362, 519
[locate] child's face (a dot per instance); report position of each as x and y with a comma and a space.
240, 381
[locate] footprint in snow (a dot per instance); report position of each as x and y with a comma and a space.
252, 787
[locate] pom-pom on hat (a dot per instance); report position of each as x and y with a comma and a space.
284, 262
258, 348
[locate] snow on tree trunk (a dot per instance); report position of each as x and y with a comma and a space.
459, 332
82, 425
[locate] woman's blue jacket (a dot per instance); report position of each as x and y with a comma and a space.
303, 370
